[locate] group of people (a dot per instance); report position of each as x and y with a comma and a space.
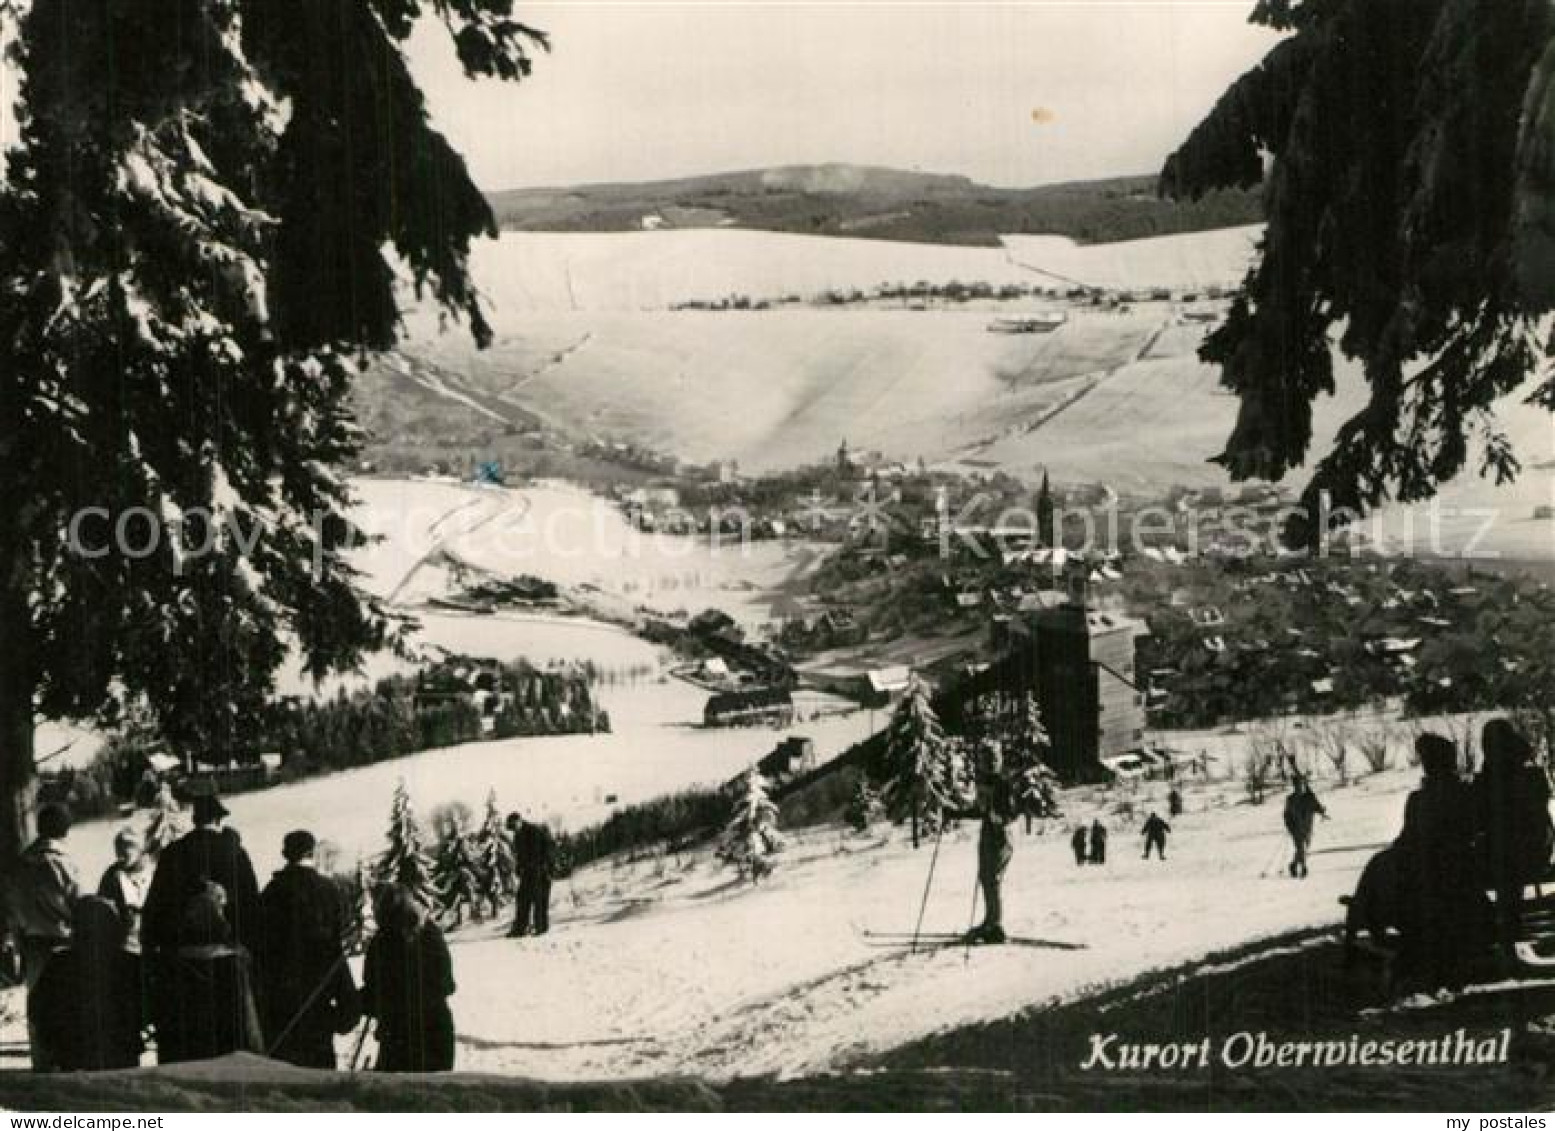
188, 948
1460, 840
1089, 845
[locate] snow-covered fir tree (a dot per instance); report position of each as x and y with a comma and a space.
920, 764
204, 228
405, 861
497, 871
863, 808
751, 837
456, 875
168, 821
358, 887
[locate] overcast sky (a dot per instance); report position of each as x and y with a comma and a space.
1006, 93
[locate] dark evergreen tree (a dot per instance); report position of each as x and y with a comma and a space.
863, 808
456, 878
1410, 194
196, 221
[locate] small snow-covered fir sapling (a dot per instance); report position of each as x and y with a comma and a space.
405, 861
496, 868
456, 876
751, 837
921, 765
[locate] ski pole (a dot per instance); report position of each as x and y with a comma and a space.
927, 884
361, 1041
307, 1004
966, 952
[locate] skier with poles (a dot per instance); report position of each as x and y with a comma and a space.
993, 851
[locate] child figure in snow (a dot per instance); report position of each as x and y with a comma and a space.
1078, 843
1155, 831
1301, 808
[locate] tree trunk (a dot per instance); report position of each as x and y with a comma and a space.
17, 772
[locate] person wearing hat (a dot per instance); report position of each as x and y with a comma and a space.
1443, 907
307, 990
1513, 801
209, 854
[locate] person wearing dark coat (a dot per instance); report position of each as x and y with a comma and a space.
1098, 843
1077, 842
1155, 831
208, 854
204, 1000
1512, 796
1443, 909
307, 992
1302, 808
87, 1003
407, 979
533, 857
1174, 803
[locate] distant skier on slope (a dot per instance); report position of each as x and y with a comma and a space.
1155, 831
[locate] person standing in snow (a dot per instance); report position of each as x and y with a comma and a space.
407, 979
308, 993
1078, 843
1098, 842
997, 808
1155, 831
40, 895
534, 853
1174, 803
1302, 808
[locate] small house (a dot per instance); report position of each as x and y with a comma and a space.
772, 706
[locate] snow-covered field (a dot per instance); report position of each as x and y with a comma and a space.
669, 966
571, 537
585, 340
